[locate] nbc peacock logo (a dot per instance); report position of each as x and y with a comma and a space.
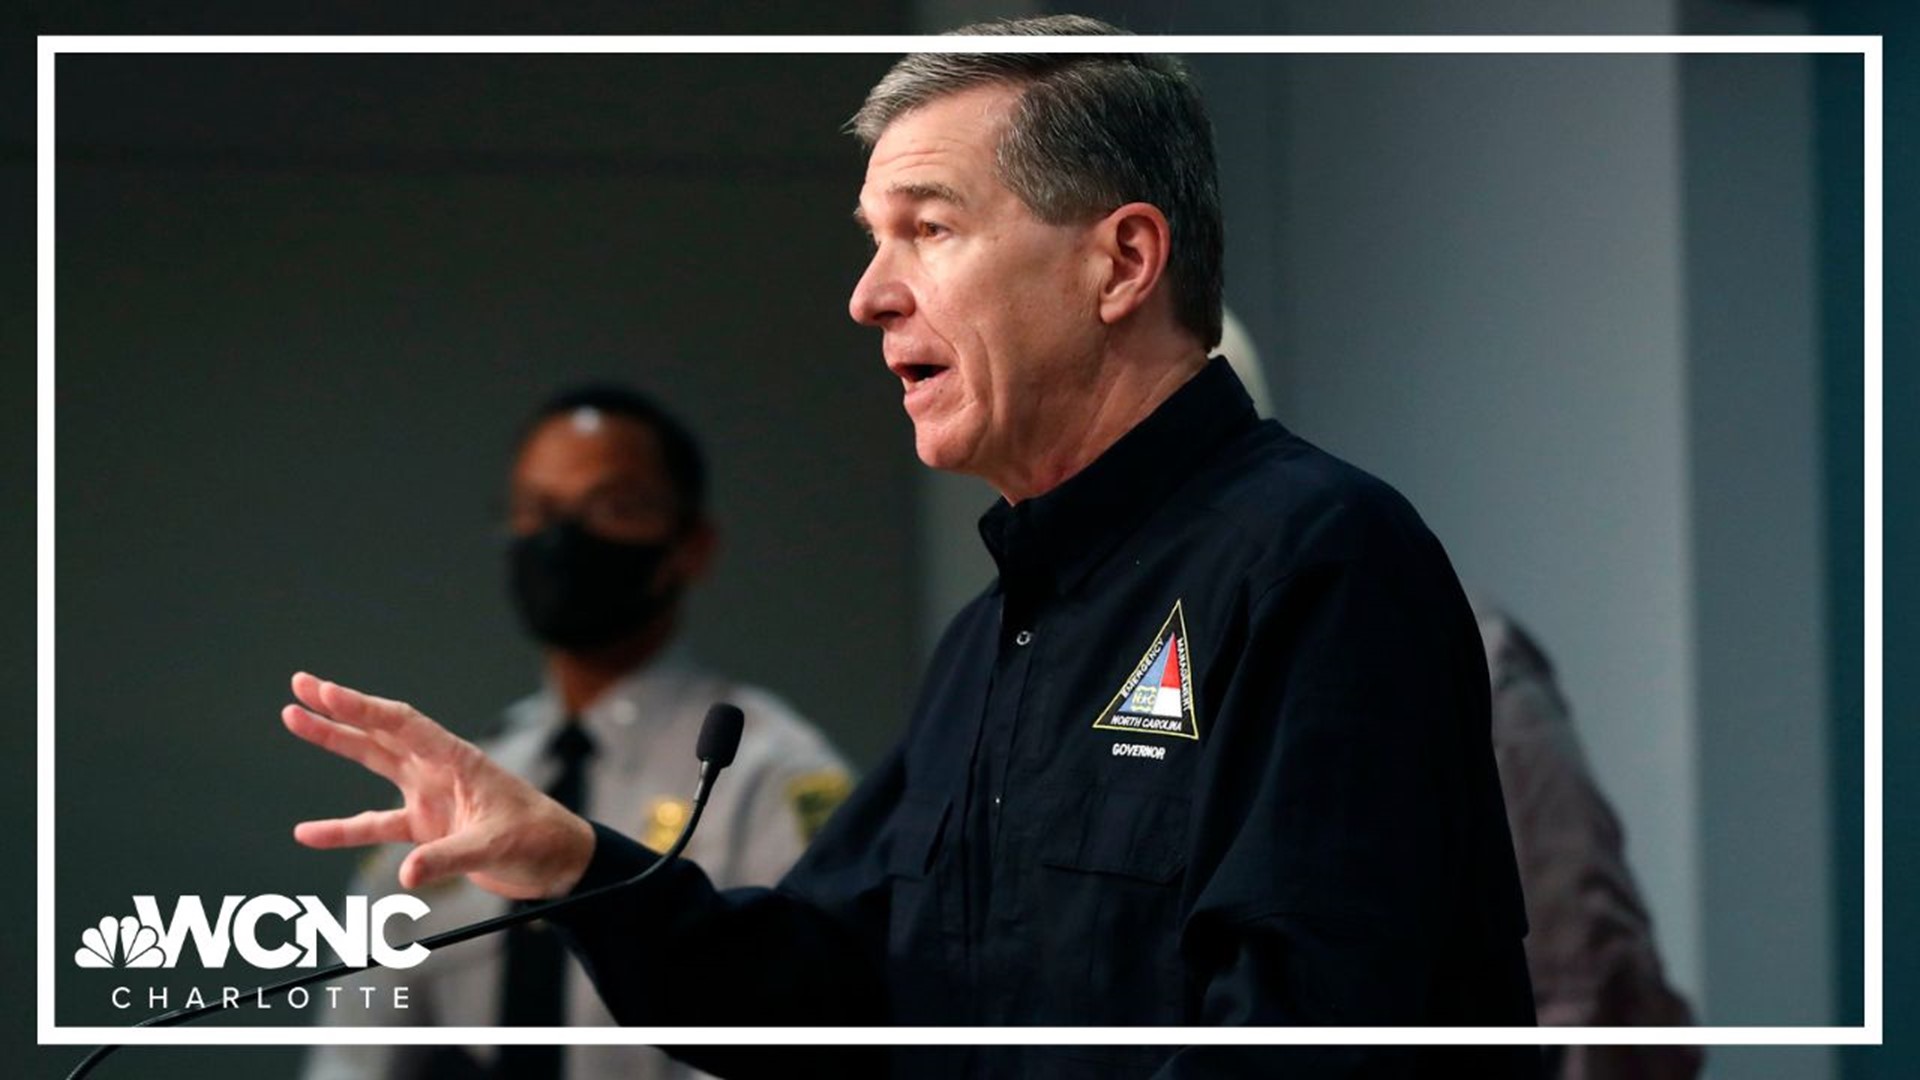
125, 942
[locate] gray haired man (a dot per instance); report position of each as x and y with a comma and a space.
1211, 750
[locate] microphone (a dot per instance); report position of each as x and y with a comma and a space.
719, 738
719, 742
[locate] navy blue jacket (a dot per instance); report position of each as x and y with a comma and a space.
1213, 749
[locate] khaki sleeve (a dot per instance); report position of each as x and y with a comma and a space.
1590, 949
796, 782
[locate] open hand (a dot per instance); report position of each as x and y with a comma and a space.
466, 814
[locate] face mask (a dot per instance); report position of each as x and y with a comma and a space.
579, 591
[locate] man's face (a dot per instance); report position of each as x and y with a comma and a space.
603, 471
602, 549
988, 315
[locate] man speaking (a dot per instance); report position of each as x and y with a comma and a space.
1212, 749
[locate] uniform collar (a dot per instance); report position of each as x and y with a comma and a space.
1054, 540
644, 694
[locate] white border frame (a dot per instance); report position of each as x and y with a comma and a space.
1871, 1031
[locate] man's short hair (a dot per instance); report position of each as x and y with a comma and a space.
680, 452
1091, 133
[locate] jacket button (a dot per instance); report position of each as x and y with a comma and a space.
1024, 637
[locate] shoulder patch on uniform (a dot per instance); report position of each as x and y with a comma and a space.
666, 816
815, 796
1157, 699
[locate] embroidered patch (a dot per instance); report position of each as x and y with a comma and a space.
665, 818
815, 796
1157, 699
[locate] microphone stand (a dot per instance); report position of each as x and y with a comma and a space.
716, 751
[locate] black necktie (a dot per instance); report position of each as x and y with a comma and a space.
534, 994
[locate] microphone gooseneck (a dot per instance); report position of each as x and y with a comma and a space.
719, 742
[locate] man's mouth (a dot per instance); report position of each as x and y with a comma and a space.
916, 376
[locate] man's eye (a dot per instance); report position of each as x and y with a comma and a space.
932, 228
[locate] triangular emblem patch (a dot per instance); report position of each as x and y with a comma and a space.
1157, 699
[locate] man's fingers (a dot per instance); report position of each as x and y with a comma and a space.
307, 688
370, 827
396, 719
443, 858
342, 740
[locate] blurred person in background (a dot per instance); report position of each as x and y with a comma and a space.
1590, 950
607, 511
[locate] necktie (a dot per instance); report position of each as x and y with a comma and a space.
534, 994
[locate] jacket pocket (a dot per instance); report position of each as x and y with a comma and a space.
1109, 910
1126, 833
916, 951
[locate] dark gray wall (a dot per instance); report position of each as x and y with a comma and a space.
303, 303
1840, 119
18, 946
1758, 576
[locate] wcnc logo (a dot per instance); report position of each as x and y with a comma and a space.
359, 936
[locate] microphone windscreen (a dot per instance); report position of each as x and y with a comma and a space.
720, 734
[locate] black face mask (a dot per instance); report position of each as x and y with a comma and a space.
577, 591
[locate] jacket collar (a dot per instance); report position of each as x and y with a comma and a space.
1053, 541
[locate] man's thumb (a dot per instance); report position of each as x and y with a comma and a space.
458, 853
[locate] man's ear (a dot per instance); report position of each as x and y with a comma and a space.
1134, 243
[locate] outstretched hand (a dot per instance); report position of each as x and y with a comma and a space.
466, 814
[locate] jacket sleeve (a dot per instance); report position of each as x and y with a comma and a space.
675, 951
1350, 863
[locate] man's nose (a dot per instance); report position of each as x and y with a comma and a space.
880, 296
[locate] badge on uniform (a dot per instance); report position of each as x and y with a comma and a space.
815, 796
665, 818
1157, 699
